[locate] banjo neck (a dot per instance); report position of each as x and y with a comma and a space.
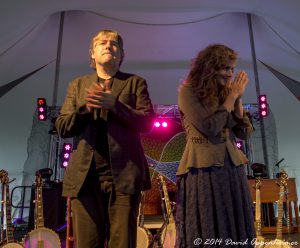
141, 215
9, 242
288, 219
282, 192
170, 217
40, 237
39, 214
279, 242
258, 207
2, 215
9, 227
280, 214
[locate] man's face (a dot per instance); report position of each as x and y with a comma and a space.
106, 51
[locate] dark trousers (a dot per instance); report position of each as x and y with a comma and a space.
103, 217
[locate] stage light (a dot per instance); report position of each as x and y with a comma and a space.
263, 106
240, 145
164, 124
161, 123
157, 124
42, 109
66, 154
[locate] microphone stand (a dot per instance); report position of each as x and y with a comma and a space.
277, 165
53, 160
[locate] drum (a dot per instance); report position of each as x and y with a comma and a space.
144, 237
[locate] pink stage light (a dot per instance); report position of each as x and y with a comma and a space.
42, 109
239, 145
68, 147
263, 106
263, 98
157, 124
41, 117
66, 154
161, 123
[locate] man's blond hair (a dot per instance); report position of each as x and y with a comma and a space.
106, 33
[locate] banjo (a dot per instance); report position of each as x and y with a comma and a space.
9, 242
259, 238
168, 234
279, 242
2, 215
40, 237
144, 236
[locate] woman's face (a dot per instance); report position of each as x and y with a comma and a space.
224, 74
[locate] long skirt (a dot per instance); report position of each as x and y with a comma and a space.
214, 208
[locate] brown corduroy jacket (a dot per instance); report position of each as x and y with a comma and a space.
210, 132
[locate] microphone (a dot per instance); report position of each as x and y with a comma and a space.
106, 85
96, 113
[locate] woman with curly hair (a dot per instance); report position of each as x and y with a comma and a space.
214, 205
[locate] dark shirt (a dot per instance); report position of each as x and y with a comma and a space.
101, 154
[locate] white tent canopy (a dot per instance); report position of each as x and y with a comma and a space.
161, 38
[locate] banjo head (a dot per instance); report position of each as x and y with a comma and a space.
42, 237
12, 245
144, 237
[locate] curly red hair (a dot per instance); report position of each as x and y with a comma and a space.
202, 76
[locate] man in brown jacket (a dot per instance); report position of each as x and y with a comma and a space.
105, 113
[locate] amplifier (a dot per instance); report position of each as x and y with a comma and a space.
54, 206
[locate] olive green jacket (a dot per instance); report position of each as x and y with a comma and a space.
133, 113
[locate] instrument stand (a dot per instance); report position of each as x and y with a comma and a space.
277, 165
163, 205
54, 155
166, 216
156, 237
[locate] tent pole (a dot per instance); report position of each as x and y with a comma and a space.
54, 97
261, 120
58, 55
